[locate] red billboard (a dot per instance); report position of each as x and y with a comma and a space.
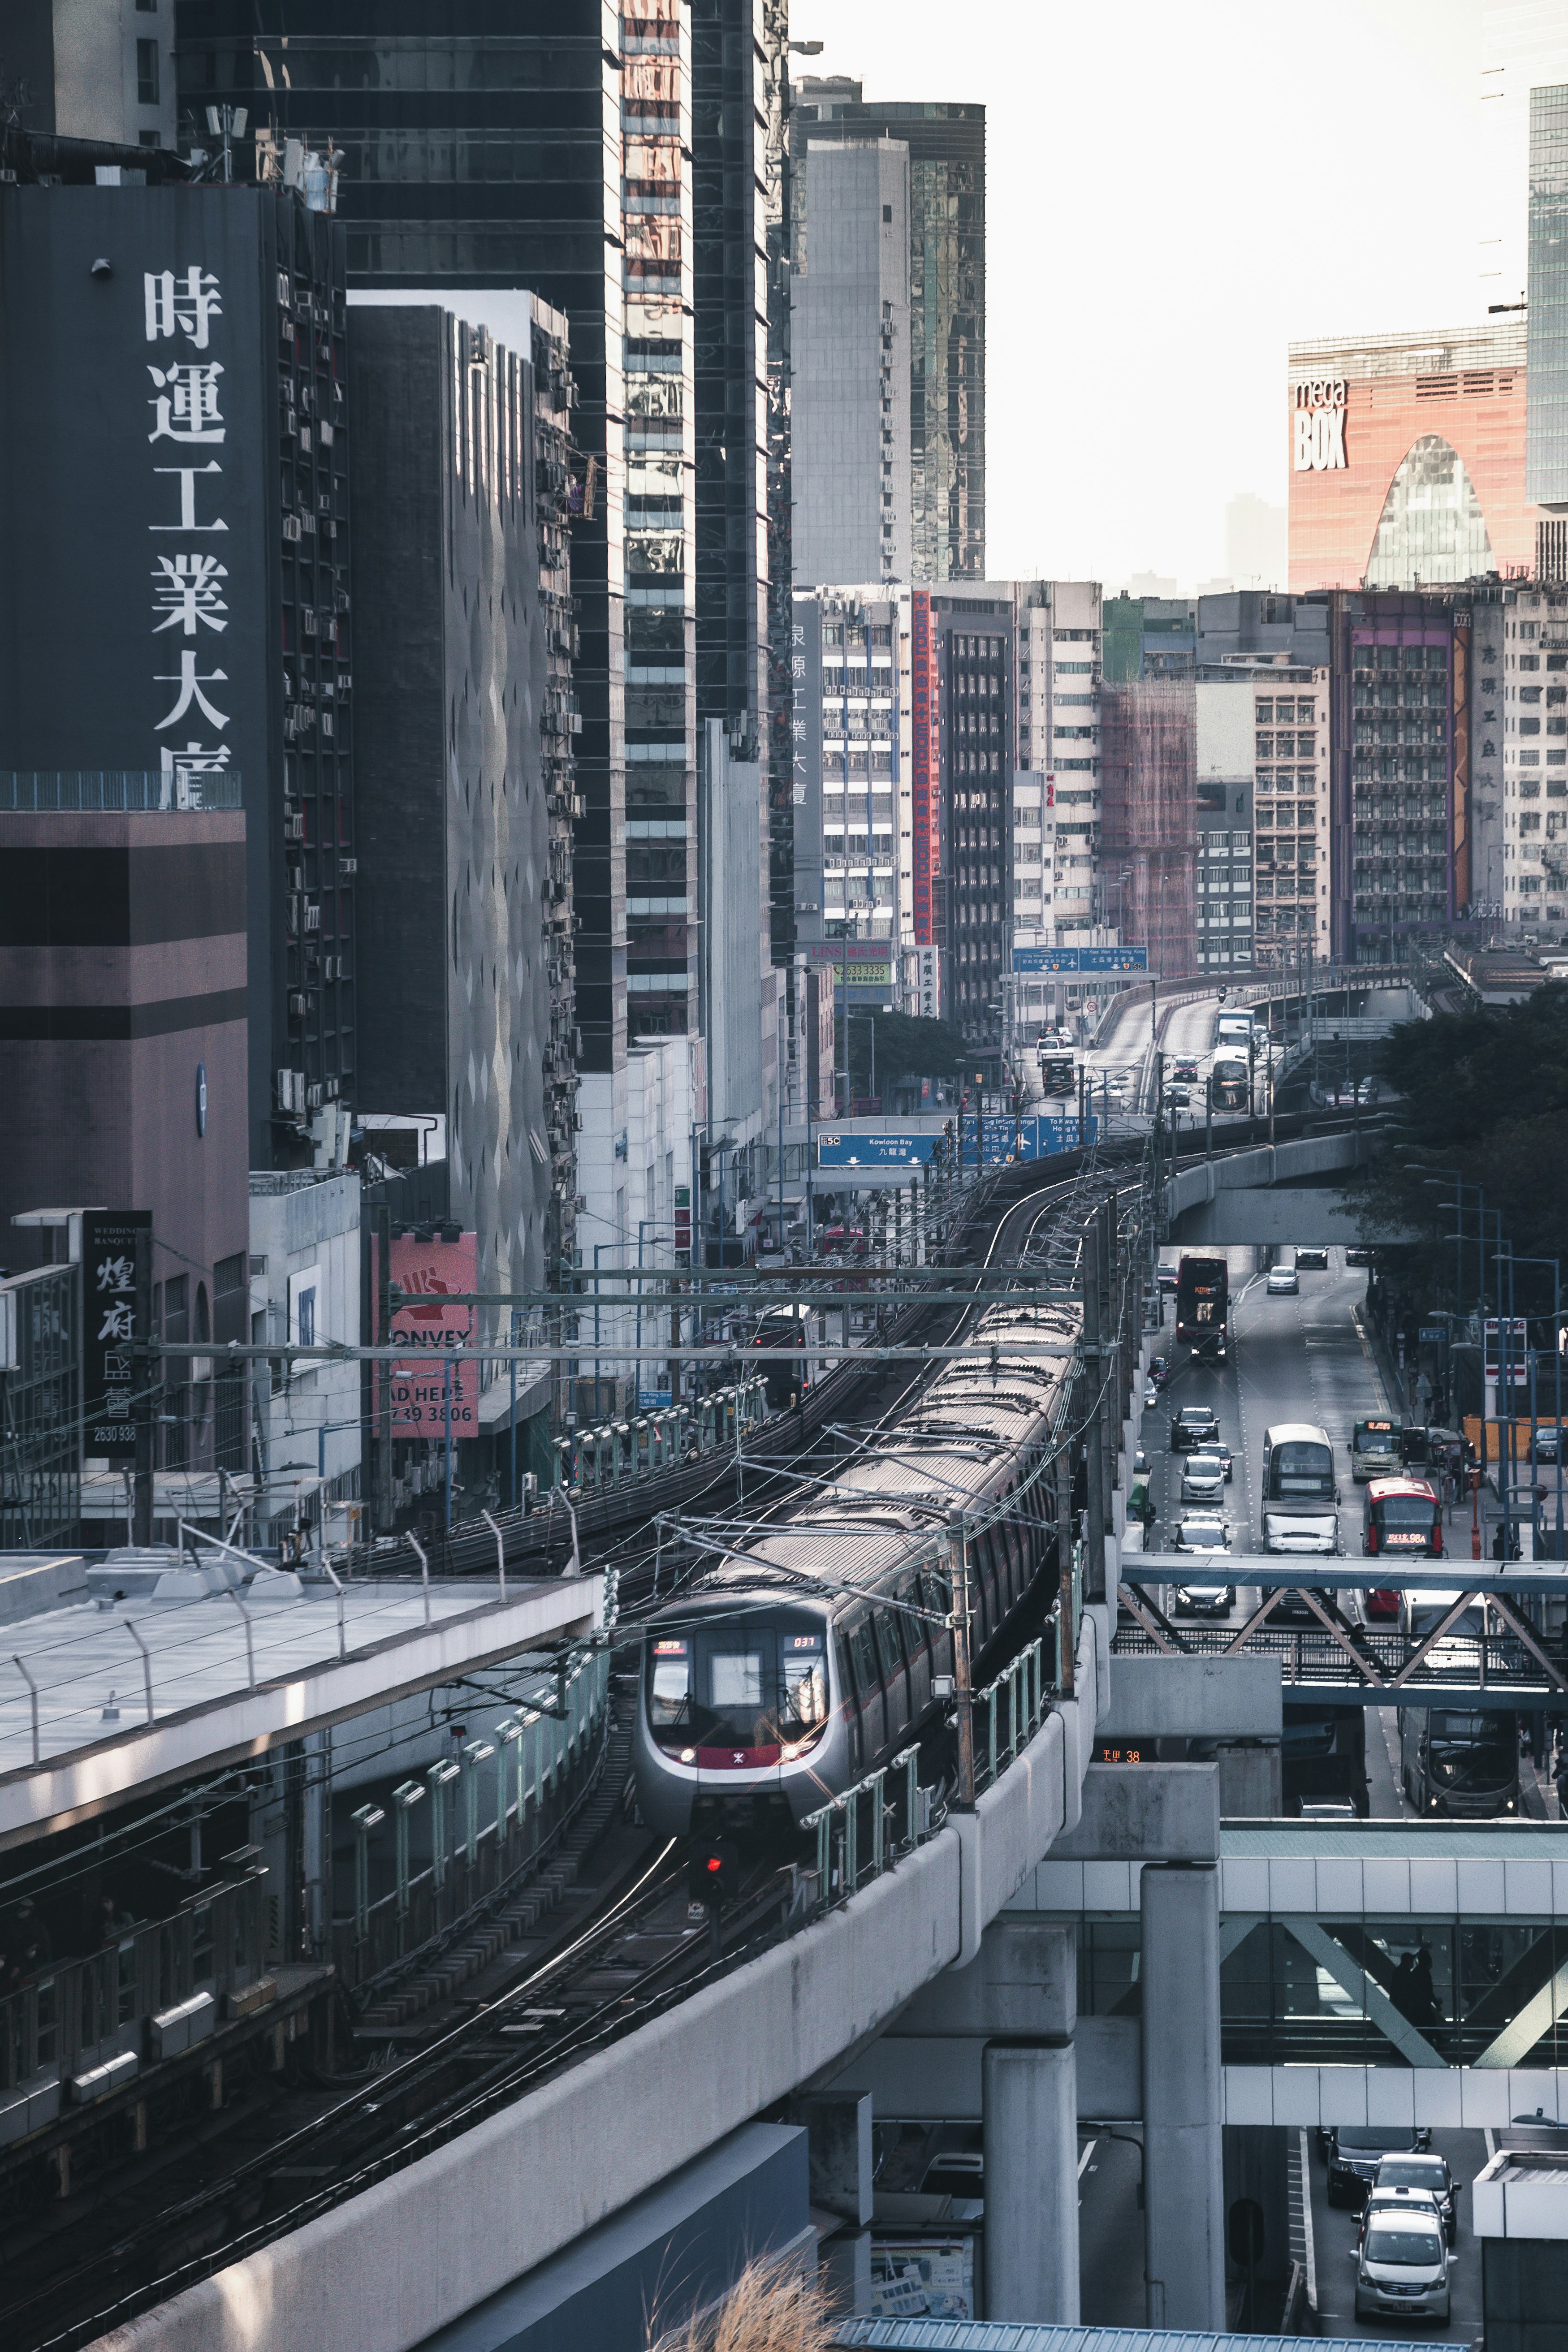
437, 1375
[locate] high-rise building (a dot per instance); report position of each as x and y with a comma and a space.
475, 209
1546, 439
1402, 715
1149, 822
946, 143
462, 598
1523, 46
208, 631
1408, 459
103, 73
850, 364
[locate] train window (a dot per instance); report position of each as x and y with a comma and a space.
670, 1700
890, 1643
805, 1690
917, 1632
734, 1678
865, 1655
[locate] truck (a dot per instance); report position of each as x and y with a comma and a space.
1203, 1304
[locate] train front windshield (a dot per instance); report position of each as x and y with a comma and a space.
1301, 1470
757, 1690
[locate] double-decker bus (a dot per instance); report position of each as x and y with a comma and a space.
1458, 1761
1203, 1304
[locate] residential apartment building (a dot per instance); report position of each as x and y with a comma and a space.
1290, 812
1533, 691
946, 289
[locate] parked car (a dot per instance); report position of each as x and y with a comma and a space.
1282, 1282
1202, 1530
1194, 1425
1203, 1475
1427, 2175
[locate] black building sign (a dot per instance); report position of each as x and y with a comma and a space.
116, 1291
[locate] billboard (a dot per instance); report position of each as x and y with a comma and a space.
1080, 959
116, 1272
433, 1329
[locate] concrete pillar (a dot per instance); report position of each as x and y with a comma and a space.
1183, 2163
1029, 2114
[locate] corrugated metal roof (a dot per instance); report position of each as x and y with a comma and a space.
1013, 2336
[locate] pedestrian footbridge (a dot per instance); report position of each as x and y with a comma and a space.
1369, 1972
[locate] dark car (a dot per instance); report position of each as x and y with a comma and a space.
1195, 1425
1187, 1072
1352, 2152
1292, 1608
1548, 1443
1311, 1261
1358, 1255
1168, 1277
1426, 2175
1159, 1371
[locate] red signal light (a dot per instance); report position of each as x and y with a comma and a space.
714, 1864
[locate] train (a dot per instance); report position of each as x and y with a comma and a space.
813, 1654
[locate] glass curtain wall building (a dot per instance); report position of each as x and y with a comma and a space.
1546, 439
474, 160
947, 303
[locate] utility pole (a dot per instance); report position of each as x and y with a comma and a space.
148, 1392
962, 1684
1064, 1566
1094, 1579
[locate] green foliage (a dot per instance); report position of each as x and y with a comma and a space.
1486, 1093
906, 1049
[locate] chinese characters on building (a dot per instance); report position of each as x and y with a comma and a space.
116, 1250
189, 584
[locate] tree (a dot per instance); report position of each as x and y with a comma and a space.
1485, 1093
906, 1049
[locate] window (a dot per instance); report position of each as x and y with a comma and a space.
146, 73
887, 212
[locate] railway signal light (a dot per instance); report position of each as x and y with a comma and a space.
713, 1872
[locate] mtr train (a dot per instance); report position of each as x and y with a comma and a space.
805, 1659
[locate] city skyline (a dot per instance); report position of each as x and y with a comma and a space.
1310, 118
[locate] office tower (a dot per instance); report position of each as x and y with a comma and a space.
1256, 553
1408, 459
540, 211
462, 599
946, 145
1403, 666
103, 72
176, 460
1523, 46
1546, 436
850, 369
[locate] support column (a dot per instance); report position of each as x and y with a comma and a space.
318, 1838
1183, 2180
1029, 2117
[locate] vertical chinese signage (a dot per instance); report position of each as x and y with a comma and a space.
438, 1377
182, 316
116, 1274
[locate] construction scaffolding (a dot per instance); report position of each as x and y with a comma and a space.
1149, 818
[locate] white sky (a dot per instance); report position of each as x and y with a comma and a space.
1174, 193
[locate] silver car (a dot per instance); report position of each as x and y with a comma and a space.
1201, 1531
1283, 1282
1401, 2270
1203, 1477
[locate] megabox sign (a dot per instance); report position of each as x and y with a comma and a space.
1321, 424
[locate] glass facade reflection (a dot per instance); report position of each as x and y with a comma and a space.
1431, 530
1410, 1991
1546, 452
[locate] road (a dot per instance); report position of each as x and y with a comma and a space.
1333, 2241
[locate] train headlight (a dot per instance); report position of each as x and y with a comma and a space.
688, 1755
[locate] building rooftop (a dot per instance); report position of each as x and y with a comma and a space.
105, 1697
1523, 2193
1411, 351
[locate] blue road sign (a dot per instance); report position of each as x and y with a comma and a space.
1001, 1139
1080, 959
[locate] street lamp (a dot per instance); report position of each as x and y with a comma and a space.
1525, 1259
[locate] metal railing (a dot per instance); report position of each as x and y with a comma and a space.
543, 1760
76, 2014
841, 1868
620, 1452
46, 791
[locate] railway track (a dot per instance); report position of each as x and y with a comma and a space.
158, 2225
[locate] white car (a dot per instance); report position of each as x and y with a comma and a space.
1401, 2269
1204, 1600
1283, 1282
1203, 1477
1201, 1531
